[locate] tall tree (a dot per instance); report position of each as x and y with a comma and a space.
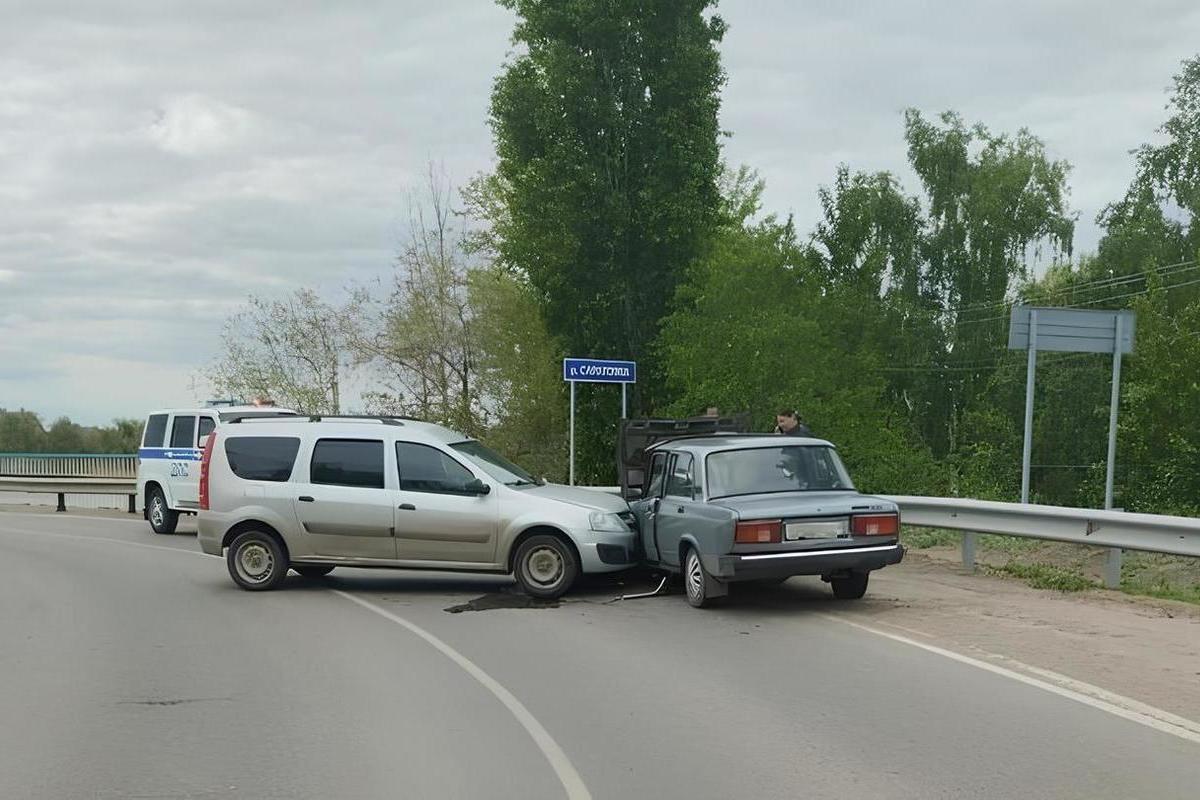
293, 350
1155, 223
420, 335
991, 199
606, 134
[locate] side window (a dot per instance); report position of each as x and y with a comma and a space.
262, 458
657, 468
427, 469
348, 462
680, 483
182, 430
204, 428
156, 429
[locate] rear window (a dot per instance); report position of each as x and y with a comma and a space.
181, 431
261, 458
348, 462
156, 429
767, 470
205, 428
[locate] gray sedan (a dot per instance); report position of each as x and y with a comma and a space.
722, 509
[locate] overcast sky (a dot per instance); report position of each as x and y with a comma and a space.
160, 160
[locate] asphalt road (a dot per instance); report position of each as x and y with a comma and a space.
130, 666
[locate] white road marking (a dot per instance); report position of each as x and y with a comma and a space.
105, 539
567, 775
1061, 685
129, 518
566, 772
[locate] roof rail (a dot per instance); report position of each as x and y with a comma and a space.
386, 420
713, 435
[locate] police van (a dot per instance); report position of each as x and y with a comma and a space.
168, 468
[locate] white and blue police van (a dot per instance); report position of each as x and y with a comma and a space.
168, 467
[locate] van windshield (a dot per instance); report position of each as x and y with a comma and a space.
495, 464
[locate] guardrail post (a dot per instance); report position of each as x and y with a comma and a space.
133, 504
1112, 568
968, 550
62, 502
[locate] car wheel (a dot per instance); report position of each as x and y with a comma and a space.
162, 519
545, 566
313, 571
695, 579
850, 587
256, 561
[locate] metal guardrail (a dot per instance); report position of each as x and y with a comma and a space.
68, 465
1121, 530
70, 473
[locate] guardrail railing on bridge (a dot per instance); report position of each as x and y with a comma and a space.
1154, 533
70, 473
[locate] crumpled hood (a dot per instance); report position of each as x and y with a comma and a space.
584, 498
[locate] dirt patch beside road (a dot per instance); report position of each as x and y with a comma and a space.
1143, 648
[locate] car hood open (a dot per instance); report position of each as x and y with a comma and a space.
784, 505
585, 498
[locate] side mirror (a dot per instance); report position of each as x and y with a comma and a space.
633, 493
477, 487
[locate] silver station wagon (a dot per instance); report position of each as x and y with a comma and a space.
727, 508
320, 492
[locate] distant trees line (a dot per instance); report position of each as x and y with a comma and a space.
22, 431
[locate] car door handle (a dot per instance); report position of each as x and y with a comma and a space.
304, 498
407, 507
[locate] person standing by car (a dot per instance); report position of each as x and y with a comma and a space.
788, 423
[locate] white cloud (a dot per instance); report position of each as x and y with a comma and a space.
193, 125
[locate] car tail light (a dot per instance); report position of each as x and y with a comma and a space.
875, 524
763, 531
204, 460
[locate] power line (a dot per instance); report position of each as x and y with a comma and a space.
1088, 286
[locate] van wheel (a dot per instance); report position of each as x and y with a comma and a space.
545, 567
851, 587
162, 519
313, 571
256, 561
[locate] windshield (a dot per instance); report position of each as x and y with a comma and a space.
495, 464
766, 470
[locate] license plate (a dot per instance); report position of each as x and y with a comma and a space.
831, 529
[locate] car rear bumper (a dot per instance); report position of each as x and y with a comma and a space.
803, 562
210, 529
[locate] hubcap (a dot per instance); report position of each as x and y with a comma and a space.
156, 511
544, 566
695, 577
255, 562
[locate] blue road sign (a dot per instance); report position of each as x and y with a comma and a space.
591, 370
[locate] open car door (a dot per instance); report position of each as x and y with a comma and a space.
638, 434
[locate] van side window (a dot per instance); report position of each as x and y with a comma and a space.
427, 469
181, 432
156, 429
348, 462
680, 483
262, 458
657, 468
205, 428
